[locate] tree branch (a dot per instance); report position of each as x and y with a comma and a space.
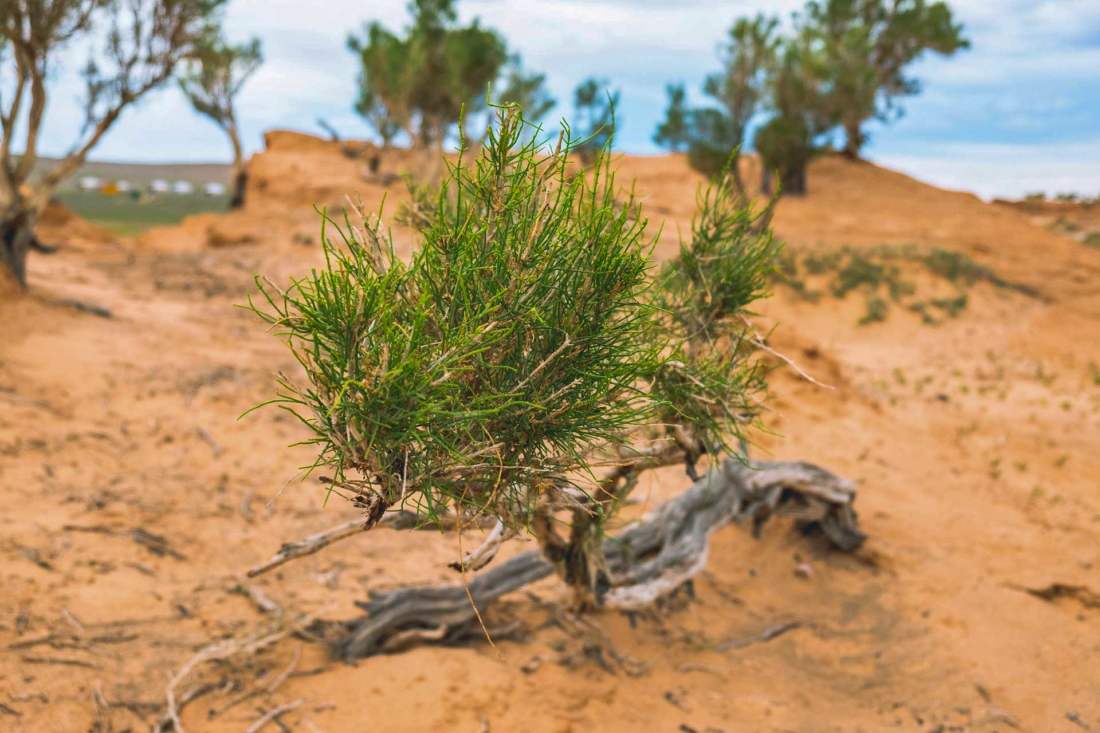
484, 553
316, 542
309, 545
8, 120
647, 560
34, 124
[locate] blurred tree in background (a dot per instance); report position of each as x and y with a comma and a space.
593, 126
799, 110
526, 90
842, 63
211, 78
523, 90
383, 98
865, 47
673, 131
739, 89
134, 48
422, 82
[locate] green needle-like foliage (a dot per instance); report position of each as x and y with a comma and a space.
706, 291
525, 337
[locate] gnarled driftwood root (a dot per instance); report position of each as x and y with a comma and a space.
647, 560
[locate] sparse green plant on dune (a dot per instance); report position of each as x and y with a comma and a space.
485, 372
527, 363
879, 274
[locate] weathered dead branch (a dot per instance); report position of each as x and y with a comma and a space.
647, 560
484, 553
310, 545
316, 542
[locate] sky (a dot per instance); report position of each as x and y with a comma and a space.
1018, 112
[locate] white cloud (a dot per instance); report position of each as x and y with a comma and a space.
1004, 169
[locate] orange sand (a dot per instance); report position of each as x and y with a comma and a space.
975, 445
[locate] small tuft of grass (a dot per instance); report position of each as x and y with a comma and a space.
877, 273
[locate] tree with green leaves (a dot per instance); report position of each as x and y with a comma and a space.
867, 45
714, 145
594, 120
135, 48
423, 81
383, 95
524, 367
715, 134
800, 117
673, 132
211, 78
739, 89
843, 64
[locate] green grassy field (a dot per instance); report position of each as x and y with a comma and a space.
126, 216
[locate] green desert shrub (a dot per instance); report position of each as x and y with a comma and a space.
527, 338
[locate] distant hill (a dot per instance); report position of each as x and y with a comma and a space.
141, 174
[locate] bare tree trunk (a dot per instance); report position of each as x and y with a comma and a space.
240, 184
16, 239
240, 173
765, 179
853, 139
578, 561
793, 179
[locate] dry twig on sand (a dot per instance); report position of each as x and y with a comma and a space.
271, 715
767, 634
220, 650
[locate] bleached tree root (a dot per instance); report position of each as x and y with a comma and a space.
648, 559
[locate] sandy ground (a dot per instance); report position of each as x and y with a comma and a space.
134, 498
